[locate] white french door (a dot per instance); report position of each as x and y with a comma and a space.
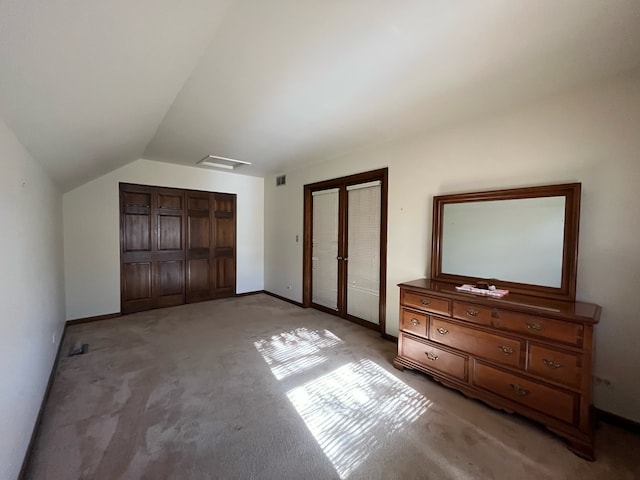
345, 245
325, 248
363, 251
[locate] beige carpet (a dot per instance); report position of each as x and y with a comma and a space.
256, 388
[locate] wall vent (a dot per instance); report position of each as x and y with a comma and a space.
78, 349
281, 180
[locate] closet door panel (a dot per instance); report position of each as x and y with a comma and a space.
138, 196
170, 199
135, 216
136, 250
198, 202
136, 282
225, 235
137, 278
170, 283
170, 277
225, 276
169, 251
225, 203
198, 279
170, 221
199, 233
137, 232
169, 232
199, 251
224, 254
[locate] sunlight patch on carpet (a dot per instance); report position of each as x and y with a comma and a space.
293, 352
351, 409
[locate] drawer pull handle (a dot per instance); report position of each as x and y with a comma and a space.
415, 322
471, 312
505, 350
551, 363
424, 301
431, 356
442, 331
534, 326
519, 389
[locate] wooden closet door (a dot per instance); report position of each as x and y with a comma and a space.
169, 252
176, 246
136, 251
224, 228
199, 247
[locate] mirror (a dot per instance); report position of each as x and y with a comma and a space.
524, 240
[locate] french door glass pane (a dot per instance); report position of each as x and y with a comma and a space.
363, 265
324, 253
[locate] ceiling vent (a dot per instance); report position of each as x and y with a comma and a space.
222, 162
281, 180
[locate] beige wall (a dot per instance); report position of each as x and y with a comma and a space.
588, 136
31, 295
92, 226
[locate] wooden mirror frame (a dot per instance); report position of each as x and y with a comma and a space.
571, 193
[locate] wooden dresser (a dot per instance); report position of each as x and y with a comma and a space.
520, 353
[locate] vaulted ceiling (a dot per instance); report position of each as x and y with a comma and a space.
91, 85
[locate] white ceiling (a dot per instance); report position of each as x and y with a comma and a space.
88, 85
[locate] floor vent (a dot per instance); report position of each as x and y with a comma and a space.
78, 349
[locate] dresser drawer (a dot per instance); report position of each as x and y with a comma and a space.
543, 398
556, 330
426, 302
414, 322
563, 367
429, 355
472, 313
483, 344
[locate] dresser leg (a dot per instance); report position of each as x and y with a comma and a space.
582, 450
399, 366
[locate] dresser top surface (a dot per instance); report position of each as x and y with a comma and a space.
574, 311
